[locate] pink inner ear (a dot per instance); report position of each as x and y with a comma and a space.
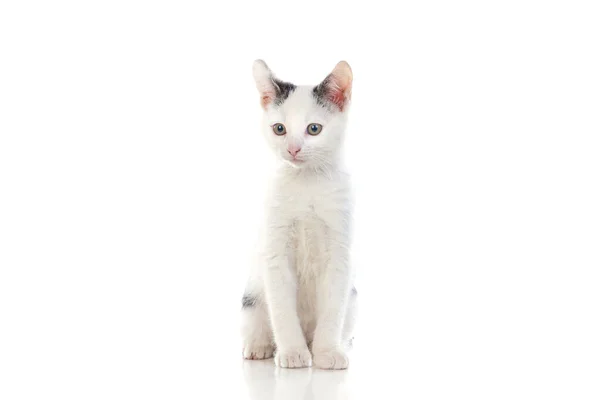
266, 98
338, 98
338, 91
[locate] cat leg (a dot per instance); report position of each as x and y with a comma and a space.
257, 336
281, 295
349, 321
292, 351
333, 293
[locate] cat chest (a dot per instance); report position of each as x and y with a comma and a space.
310, 238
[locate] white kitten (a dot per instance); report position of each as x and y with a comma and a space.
300, 292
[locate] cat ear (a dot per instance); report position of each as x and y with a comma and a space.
337, 87
264, 82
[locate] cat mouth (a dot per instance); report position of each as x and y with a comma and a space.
295, 162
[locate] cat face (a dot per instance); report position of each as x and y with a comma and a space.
304, 125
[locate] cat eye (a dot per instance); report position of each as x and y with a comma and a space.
279, 129
314, 129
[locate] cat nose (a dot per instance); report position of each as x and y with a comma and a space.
293, 150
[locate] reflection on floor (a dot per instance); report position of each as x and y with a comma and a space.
267, 382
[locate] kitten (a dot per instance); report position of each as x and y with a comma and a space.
300, 293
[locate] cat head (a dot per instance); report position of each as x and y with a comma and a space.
305, 125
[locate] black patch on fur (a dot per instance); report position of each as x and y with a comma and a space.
248, 301
283, 90
353, 291
320, 93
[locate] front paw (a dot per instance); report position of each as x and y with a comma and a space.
293, 358
330, 358
256, 352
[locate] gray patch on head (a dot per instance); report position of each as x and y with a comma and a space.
353, 291
283, 91
320, 93
248, 301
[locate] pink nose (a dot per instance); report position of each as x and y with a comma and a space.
294, 151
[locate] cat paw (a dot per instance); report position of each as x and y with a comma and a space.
293, 358
258, 352
330, 359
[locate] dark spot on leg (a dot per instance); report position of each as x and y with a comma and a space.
248, 301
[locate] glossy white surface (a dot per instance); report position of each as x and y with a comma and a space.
264, 381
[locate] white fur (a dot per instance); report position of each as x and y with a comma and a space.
304, 307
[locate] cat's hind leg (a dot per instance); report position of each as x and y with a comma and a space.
257, 335
350, 319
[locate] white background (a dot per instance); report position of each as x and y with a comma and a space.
132, 173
